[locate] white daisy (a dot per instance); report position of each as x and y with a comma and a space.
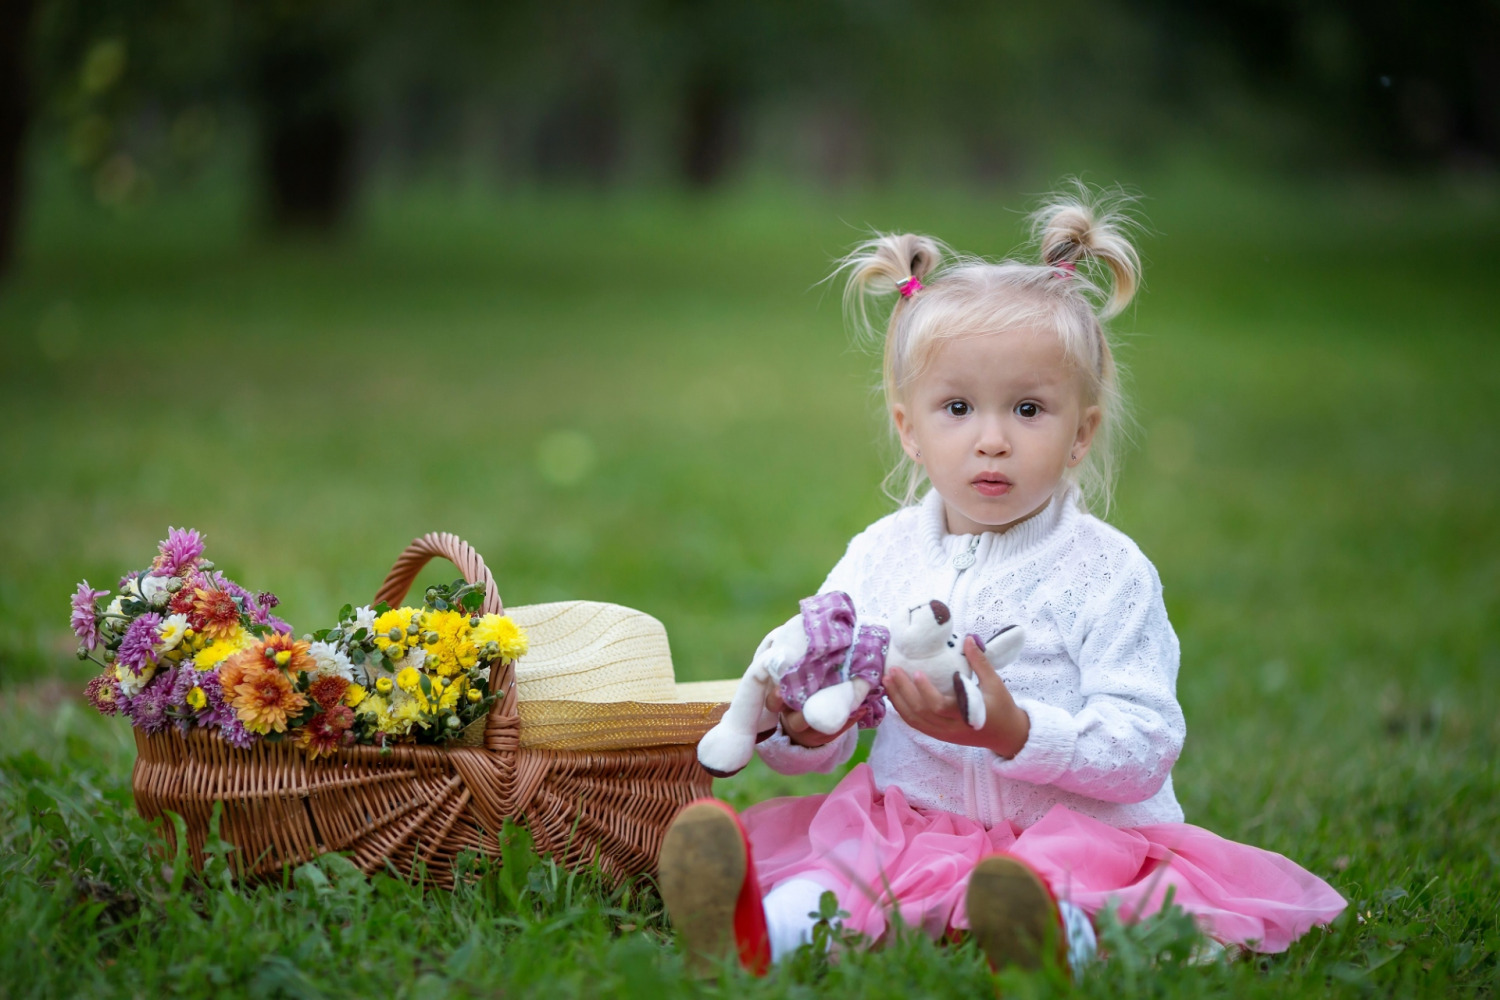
329, 661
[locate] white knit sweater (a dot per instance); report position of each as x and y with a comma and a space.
1097, 676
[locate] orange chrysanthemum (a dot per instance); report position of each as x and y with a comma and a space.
285, 652
232, 670
214, 613
328, 691
264, 699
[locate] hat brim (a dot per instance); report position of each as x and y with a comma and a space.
624, 725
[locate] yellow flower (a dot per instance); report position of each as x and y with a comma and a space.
407, 713
474, 694
454, 649
504, 633
452, 693
384, 685
398, 619
353, 695
410, 679
197, 698
378, 708
221, 649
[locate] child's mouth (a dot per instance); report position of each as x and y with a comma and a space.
996, 486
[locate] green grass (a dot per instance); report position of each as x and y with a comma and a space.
1315, 479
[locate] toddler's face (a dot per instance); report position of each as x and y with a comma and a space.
996, 419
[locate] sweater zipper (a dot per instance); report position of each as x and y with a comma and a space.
961, 563
976, 774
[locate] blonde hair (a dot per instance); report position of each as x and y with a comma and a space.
1088, 272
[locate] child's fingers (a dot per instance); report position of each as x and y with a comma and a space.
974, 653
931, 698
774, 702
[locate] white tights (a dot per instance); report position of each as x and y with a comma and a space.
791, 907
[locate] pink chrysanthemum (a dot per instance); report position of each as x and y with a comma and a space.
103, 693
179, 551
85, 621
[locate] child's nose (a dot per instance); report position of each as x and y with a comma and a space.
992, 438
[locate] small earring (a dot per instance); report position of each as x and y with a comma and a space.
919, 452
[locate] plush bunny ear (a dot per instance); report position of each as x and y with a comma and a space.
1004, 646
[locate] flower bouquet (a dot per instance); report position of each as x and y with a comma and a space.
396, 735
182, 644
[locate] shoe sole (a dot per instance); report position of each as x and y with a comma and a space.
1012, 916
702, 868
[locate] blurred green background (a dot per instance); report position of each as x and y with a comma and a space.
317, 278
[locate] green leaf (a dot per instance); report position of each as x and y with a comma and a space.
473, 600
346, 612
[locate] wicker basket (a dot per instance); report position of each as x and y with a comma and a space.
413, 808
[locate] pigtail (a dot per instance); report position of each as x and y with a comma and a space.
1088, 225
881, 266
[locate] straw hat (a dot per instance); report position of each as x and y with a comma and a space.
599, 676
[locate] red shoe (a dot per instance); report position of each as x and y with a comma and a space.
1013, 916
708, 883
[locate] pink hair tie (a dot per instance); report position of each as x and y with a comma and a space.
1066, 267
908, 287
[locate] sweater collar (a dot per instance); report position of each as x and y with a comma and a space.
942, 546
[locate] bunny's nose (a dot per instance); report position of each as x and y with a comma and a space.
940, 612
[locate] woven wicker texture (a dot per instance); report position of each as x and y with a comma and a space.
412, 809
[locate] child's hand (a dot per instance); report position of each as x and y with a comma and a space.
798, 731
936, 714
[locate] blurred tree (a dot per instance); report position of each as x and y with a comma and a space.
837, 89
299, 61
15, 112
1382, 80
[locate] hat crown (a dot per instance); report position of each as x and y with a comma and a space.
594, 652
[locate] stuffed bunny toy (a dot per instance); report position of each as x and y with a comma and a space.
827, 665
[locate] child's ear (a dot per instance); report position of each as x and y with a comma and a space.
904, 428
1088, 425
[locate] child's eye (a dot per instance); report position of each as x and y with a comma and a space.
957, 408
1027, 410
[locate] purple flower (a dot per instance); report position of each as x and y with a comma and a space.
183, 679
85, 623
179, 551
264, 602
220, 713
148, 710
128, 579
138, 648
236, 735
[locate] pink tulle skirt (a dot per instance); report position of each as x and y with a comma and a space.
882, 856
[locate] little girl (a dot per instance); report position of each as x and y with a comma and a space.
1003, 392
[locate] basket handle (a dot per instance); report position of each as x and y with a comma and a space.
457, 551
501, 728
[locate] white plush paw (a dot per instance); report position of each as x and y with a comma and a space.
973, 701
723, 751
829, 709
